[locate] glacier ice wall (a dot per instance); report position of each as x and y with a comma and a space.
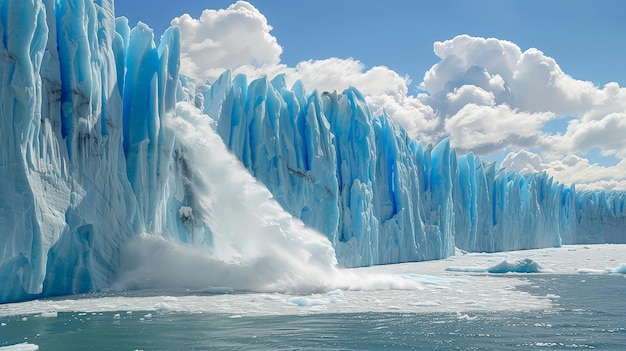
378, 196
496, 210
89, 163
60, 128
82, 102
600, 217
381, 197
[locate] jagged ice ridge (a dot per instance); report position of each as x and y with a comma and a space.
89, 162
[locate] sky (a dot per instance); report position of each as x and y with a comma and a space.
534, 85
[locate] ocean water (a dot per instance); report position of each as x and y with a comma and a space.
586, 312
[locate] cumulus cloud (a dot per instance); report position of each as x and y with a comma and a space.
488, 95
606, 133
571, 169
466, 58
239, 38
482, 129
528, 81
219, 39
493, 96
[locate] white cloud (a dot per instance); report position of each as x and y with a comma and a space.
528, 81
607, 133
220, 39
483, 128
524, 161
468, 94
239, 38
488, 95
539, 84
494, 96
459, 56
571, 169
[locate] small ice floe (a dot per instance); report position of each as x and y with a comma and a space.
524, 265
590, 271
425, 304
433, 280
465, 317
49, 314
307, 301
336, 292
317, 301
218, 290
520, 265
20, 347
163, 307
621, 269
467, 269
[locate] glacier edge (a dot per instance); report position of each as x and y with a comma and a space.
89, 163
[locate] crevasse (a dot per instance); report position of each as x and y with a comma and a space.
88, 163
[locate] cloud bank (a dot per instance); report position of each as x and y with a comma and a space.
486, 94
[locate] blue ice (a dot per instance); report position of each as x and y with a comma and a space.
89, 164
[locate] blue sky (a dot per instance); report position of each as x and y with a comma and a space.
486, 86
585, 37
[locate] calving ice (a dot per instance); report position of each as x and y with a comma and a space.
112, 163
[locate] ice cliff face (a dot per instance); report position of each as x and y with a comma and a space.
381, 197
378, 196
81, 104
62, 154
88, 162
600, 218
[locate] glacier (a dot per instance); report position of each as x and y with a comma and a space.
93, 159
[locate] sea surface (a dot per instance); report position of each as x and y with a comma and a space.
587, 312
